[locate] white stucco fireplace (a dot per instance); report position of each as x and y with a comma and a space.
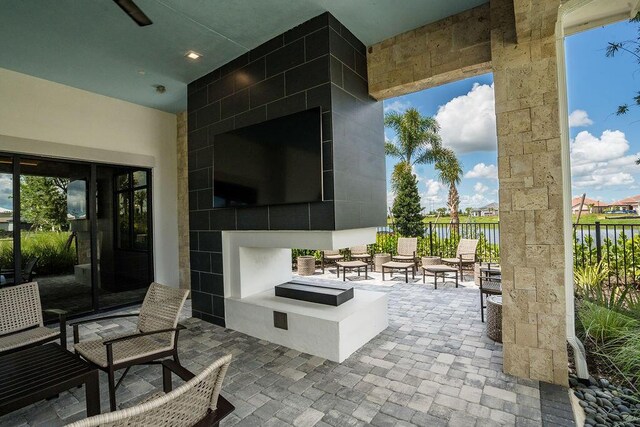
256, 261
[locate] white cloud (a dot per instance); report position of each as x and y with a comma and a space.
397, 106
602, 162
598, 181
474, 201
468, 122
480, 188
579, 118
480, 170
433, 187
586, 148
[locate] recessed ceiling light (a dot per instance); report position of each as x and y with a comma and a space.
193, 55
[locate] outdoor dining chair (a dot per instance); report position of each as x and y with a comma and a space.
407, 250
465, 254
330, 256
21, 323
156, 336
197, 402
360, 253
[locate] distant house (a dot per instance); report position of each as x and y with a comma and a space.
590, 205
628, 203
489, 210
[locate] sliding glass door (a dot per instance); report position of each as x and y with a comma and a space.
7, 246
55, 232
81, 230
124, 238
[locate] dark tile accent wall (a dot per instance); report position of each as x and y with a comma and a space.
360, 189
316, 64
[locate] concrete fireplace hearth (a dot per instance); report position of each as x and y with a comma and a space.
256, 261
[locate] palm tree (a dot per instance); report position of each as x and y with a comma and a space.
450, 174
418, 141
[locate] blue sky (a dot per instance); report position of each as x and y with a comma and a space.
604, 146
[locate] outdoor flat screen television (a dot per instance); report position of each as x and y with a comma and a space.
274, 162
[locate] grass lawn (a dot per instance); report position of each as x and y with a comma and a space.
463, 219
584, 219
612, 219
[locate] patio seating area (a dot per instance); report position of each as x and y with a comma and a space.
432, 366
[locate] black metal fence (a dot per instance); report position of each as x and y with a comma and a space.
616, 245
442, 239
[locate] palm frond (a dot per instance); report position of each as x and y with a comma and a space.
391, 149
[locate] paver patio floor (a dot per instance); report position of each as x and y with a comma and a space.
432, 366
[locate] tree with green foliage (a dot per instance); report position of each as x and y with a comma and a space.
450, 174
631, 47
417, 141
406, 209
43, 202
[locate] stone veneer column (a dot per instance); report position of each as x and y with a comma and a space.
184, 274
530, 180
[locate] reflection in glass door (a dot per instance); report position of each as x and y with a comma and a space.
55, 232
81, 230
124, 243
7, 249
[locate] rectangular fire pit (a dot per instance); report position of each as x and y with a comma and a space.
328, 294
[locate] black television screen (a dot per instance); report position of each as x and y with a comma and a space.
274, 162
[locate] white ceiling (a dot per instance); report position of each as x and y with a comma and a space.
93, 45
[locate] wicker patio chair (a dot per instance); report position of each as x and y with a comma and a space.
197, 402
156, 336
489, 285
330, 256
21, 323
360, 253
406, 250
465, 254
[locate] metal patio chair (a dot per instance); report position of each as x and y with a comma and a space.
330, 256
156, 336
407, 250
21, 324
197, 402
465, 254
360, 253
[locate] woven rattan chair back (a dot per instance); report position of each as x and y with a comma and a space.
331, 252
407, 246
358, 250
161, 309
467, 248
183, 407
20, 308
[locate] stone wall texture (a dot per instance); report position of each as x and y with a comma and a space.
515, 39
451, 49
184, 273
530, 181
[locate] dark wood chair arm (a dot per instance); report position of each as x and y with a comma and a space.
62, 319
143, 334
56, 311
461, 255
178, 369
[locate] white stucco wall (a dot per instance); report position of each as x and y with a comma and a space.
45, 118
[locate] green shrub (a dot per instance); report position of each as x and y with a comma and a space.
602, 324
49, 247
625, 354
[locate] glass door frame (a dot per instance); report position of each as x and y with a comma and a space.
17, 158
